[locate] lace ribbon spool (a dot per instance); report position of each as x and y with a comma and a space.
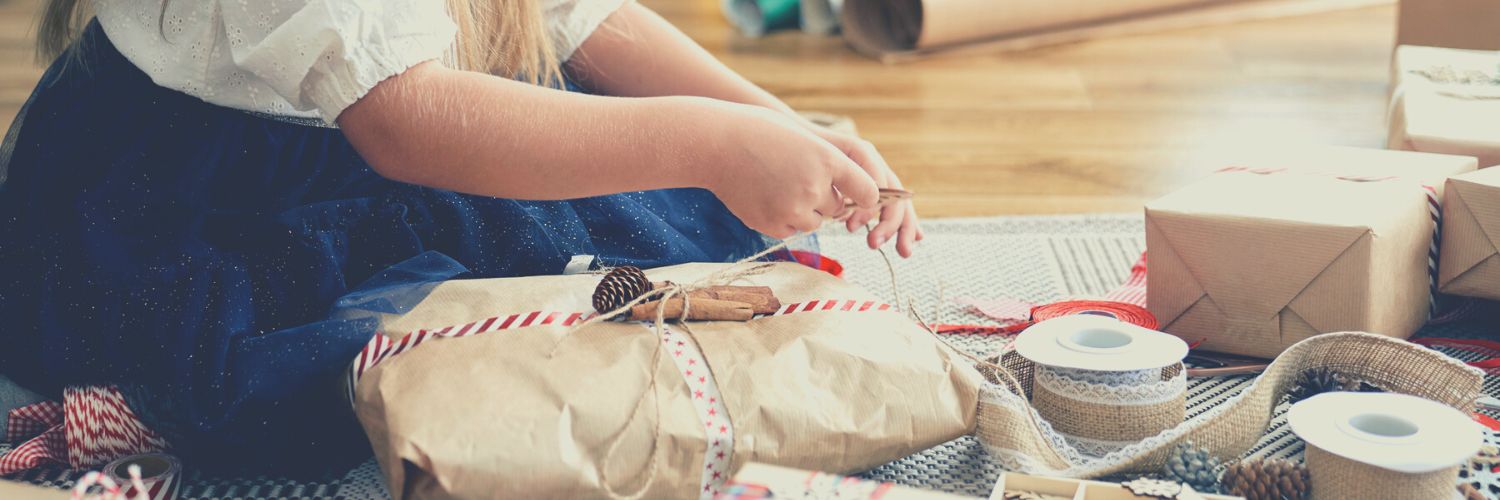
1383, 445
1103, 383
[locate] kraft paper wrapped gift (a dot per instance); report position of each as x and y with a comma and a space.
1446, 101
1252, 260
1470, 263
521, 399
1459, 24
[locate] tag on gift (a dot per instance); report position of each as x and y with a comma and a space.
579, 264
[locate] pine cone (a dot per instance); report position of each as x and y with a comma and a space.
619, 286
1194, 466
1317, 381
1273, 479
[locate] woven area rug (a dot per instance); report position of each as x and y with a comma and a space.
1036, 259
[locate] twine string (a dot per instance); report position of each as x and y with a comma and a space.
665, 293
731, 273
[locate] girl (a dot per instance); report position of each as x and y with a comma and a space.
194, 185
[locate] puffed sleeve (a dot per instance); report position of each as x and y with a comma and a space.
570, 22
326, 54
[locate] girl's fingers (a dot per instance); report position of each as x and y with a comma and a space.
859, 219
906, 239
890, 221
855, 184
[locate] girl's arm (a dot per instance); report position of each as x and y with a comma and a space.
485, 135
637, 53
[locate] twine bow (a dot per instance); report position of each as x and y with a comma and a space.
740, 269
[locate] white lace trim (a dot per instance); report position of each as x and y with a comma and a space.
1128, 388
1133, 377
1094, 447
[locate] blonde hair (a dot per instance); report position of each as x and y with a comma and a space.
499, 37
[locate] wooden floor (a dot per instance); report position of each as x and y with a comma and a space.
1094, 127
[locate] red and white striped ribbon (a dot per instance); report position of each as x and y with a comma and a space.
381, 347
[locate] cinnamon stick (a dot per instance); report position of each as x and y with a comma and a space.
701, 310
760, 298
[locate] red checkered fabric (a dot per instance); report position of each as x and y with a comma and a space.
31, 421
40, 426
91, 427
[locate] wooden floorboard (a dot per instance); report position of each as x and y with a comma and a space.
1091, 127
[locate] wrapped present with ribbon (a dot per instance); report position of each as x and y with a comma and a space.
517, 388
1446, 101
1256, 257
1470, 253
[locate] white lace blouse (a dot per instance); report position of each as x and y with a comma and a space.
301, 58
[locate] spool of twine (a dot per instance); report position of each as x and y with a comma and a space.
1102, 410
1337, 478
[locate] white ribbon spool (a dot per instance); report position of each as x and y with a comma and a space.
1383, 445
1103, 383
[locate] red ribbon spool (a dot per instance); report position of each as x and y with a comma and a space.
1129, 313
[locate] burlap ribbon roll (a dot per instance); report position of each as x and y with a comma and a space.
1102, 383
1378, 445
1019, 439
1102, 414
1335, 477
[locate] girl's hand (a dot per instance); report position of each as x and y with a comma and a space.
778, 176
899, 218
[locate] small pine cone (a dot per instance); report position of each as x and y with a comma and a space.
620, 286
1194, 466
1273, 479
1317, 381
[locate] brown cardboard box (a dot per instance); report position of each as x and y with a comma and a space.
1457, 24
1251, 263
1446, 101
1470, 257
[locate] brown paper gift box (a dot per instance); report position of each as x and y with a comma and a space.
1251, 263
1470, 262
1432, 113
1459, 24
553, 411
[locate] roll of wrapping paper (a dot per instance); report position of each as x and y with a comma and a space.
161, 474
895, 30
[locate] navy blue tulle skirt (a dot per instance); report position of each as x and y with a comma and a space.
207, 261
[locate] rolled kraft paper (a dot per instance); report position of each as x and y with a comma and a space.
1336, 478
697, 310
161, 474
884, 26
1103, 411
